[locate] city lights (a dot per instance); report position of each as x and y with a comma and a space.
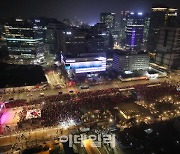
140, 13
68, 33
81, 78
110, 120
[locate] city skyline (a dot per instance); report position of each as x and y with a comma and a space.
84, 10
89, 77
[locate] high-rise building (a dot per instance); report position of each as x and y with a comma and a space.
23, 38
116, 32
126, 61
123, 18
99, 28
146, 27
103, 34
55, 39
109, 20
168, 48
161, 16
134, 31
75, 41
78, 40
96, 43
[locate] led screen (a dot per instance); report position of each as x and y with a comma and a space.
81, 65
89, 66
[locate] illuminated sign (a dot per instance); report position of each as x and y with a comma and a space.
82, 65
98, 69
133, 37
99, 64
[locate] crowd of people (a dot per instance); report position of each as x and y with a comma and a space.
151, 93
54, 113
59, 108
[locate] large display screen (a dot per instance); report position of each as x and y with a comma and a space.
81, 65
89, 66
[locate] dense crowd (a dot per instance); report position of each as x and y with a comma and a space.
149, 94
53, 113
59, 108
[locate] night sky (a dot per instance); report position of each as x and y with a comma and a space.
85, 10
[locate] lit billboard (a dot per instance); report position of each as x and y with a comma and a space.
96, 65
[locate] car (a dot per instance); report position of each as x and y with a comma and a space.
71, 91
41, 94
11, 99
84, 87
60, 92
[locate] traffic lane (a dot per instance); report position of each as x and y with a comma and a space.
123, 84
36, 94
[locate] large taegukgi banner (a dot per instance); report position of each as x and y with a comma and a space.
36, 113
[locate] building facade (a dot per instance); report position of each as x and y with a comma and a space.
168, 48
23, 38
146, 30
123, 18
55, 39
75, 41
96, 43
134, 31
123, 61
109, 20
85, 63
161, 16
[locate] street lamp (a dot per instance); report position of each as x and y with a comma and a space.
110, 120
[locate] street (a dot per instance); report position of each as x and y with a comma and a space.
36, 94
